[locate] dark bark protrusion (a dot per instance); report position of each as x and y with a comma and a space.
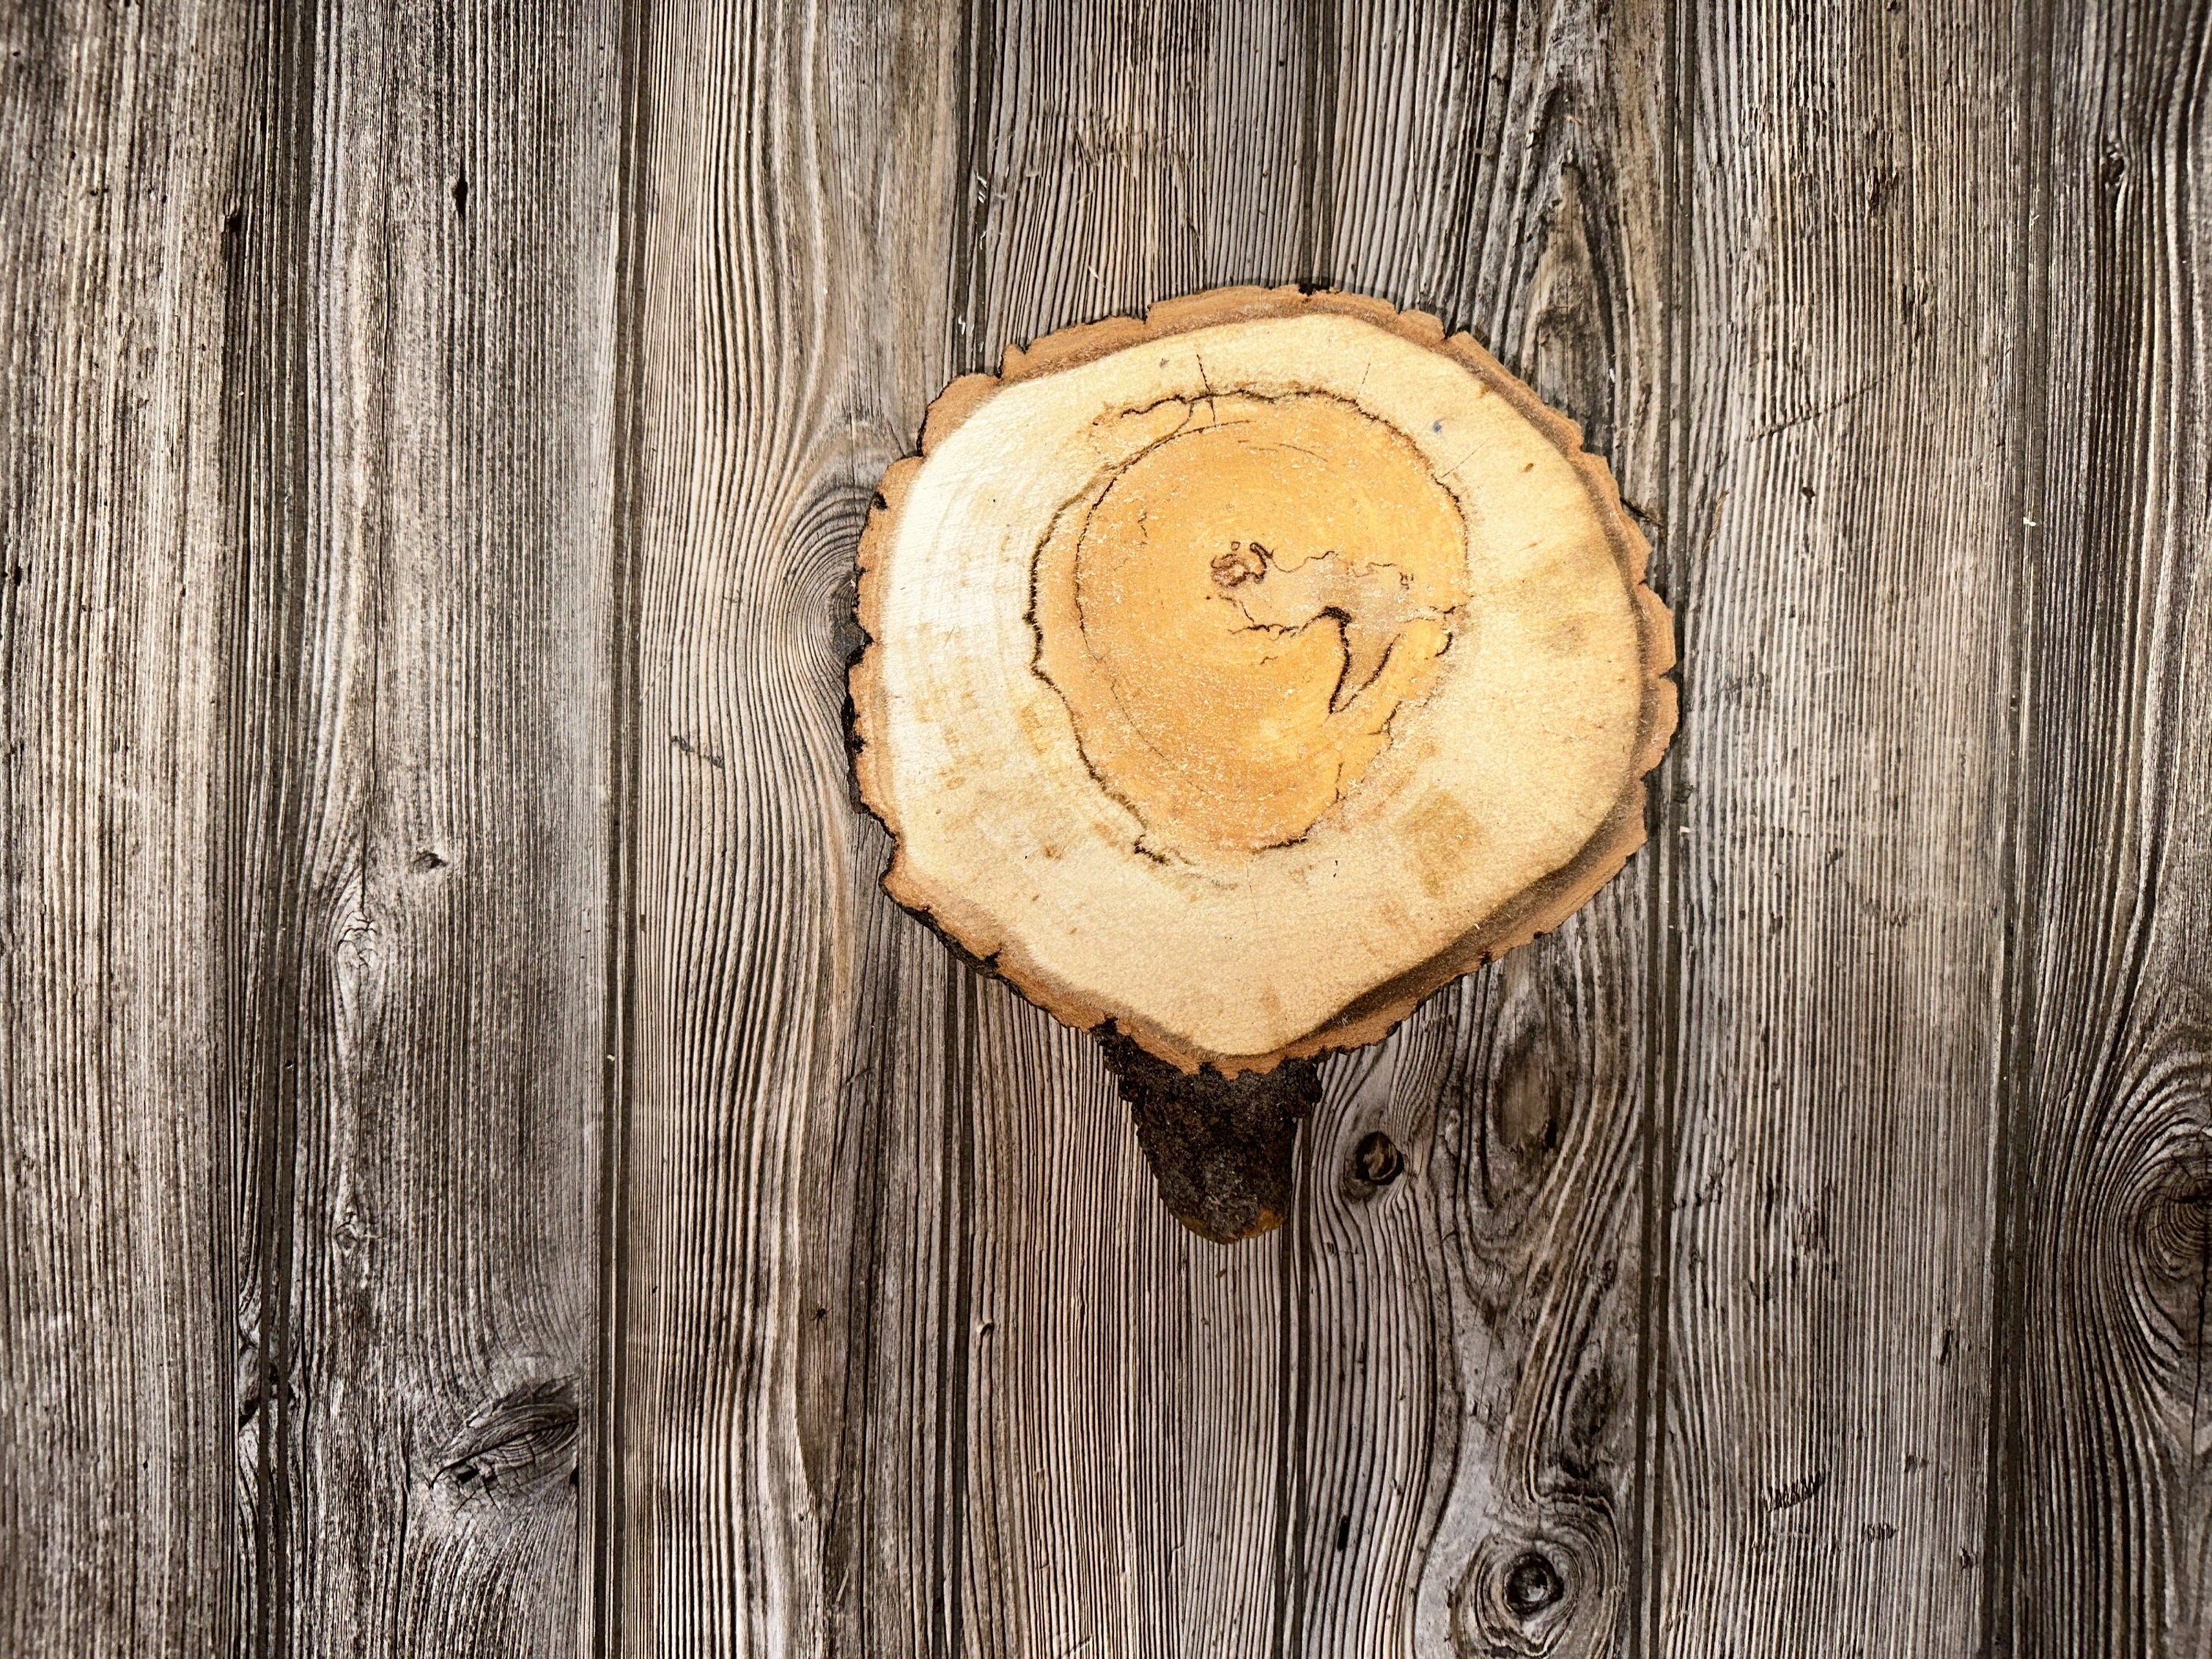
1220, 1147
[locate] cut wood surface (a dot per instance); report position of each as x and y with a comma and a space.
1238, 675
488, 1169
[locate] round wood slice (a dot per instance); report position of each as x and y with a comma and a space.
1241, 675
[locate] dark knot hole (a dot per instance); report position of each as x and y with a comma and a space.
1376, 1160
1532, 1584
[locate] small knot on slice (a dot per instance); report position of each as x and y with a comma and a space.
1240, 564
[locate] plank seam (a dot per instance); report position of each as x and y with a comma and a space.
624, 727
2005, 1455
1663, 1048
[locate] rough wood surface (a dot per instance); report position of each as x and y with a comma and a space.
1159, 1502
413, 858
116, 1473
1846, 515
795, 1274
436, 443
2100, 1538
1471, 1474
308, 419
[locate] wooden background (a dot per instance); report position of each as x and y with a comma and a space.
487, 1171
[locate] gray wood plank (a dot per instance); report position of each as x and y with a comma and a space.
2102, 1519
852, 1264
417, 422
1471, 1338
115, 1225
791, 1473
880, 1255
1846, 519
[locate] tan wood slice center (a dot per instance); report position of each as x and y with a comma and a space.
1237, 607
1243, 674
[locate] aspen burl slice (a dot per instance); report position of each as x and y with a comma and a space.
1241, 675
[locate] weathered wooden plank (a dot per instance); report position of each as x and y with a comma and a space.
115, 1228
414, 856
794, 1222
881, 1254
2102, 1518
1846, 522
939, 1424
1470, 1336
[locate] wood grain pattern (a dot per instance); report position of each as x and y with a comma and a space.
1129, 1414
934, 1370
1847, 474
788, 1481
114, 1218
2102, 1514
417, 426
1063, 904
436, 441
883, 1255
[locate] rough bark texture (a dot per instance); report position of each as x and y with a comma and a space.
435, 449
1223, 1149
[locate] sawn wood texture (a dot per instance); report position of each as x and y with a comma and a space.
485, 1169
1158, 903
